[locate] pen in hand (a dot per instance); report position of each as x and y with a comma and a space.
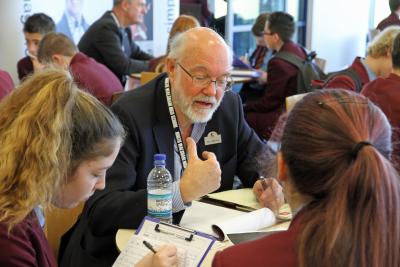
149, 246
263, 182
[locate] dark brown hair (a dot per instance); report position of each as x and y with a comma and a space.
394, 5
258, 27
354, 217
39, 23
282, 24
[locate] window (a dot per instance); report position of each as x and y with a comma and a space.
241, 18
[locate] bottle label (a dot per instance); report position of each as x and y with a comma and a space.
159, 203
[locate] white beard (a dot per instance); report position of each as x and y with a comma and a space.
183, 103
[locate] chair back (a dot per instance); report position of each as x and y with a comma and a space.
58, 222
147, 76
321, 63
290, 101
116, 95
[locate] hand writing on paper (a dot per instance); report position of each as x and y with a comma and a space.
271, 195
201, 176
166, 256
263, 77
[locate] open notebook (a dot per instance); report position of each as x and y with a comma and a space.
220, 222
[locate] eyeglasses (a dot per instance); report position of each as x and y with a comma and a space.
225, 82
268, 33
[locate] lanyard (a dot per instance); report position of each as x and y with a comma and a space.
175, 126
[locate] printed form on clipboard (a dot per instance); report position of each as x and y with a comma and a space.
192, 246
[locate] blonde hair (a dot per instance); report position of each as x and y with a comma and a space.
182, 24
47, 126
383, 42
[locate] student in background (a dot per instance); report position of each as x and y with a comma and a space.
377, 63
336, 175
262, 114
57, 50
181, 24
258, 60
385, 93
393, 18
56, 144
6, 84
35, 27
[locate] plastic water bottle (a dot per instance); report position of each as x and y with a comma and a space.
159, 191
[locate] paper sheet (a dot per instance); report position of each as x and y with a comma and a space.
245, 73
249, 222
202, 217
190, 253
135, 251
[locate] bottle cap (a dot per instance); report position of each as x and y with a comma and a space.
159, 157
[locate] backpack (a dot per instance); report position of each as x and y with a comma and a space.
346, 72
308, 69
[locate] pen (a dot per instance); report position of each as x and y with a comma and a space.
263, 183
149, 246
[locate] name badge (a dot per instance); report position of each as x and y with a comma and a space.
212, 138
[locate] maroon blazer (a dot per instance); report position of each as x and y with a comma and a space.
94, 78
345, 82
275, 250
258, 56
263, 113
24, 67
26, 245
6, 83
385, 93
392, 19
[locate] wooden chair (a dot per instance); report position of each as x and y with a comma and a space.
320, 63
147, 76
290, 101
115, 96
59, 221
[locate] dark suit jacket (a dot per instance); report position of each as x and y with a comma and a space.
63, 26
6, 83
123, 203
345, 81
385, 93
263, 113
24, 67
103, 42
26, 245
391, 20
275, 250
95, 78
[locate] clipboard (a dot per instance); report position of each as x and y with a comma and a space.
192, 246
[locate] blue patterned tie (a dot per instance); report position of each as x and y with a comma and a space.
126, 47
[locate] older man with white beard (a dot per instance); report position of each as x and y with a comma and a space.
190, 115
